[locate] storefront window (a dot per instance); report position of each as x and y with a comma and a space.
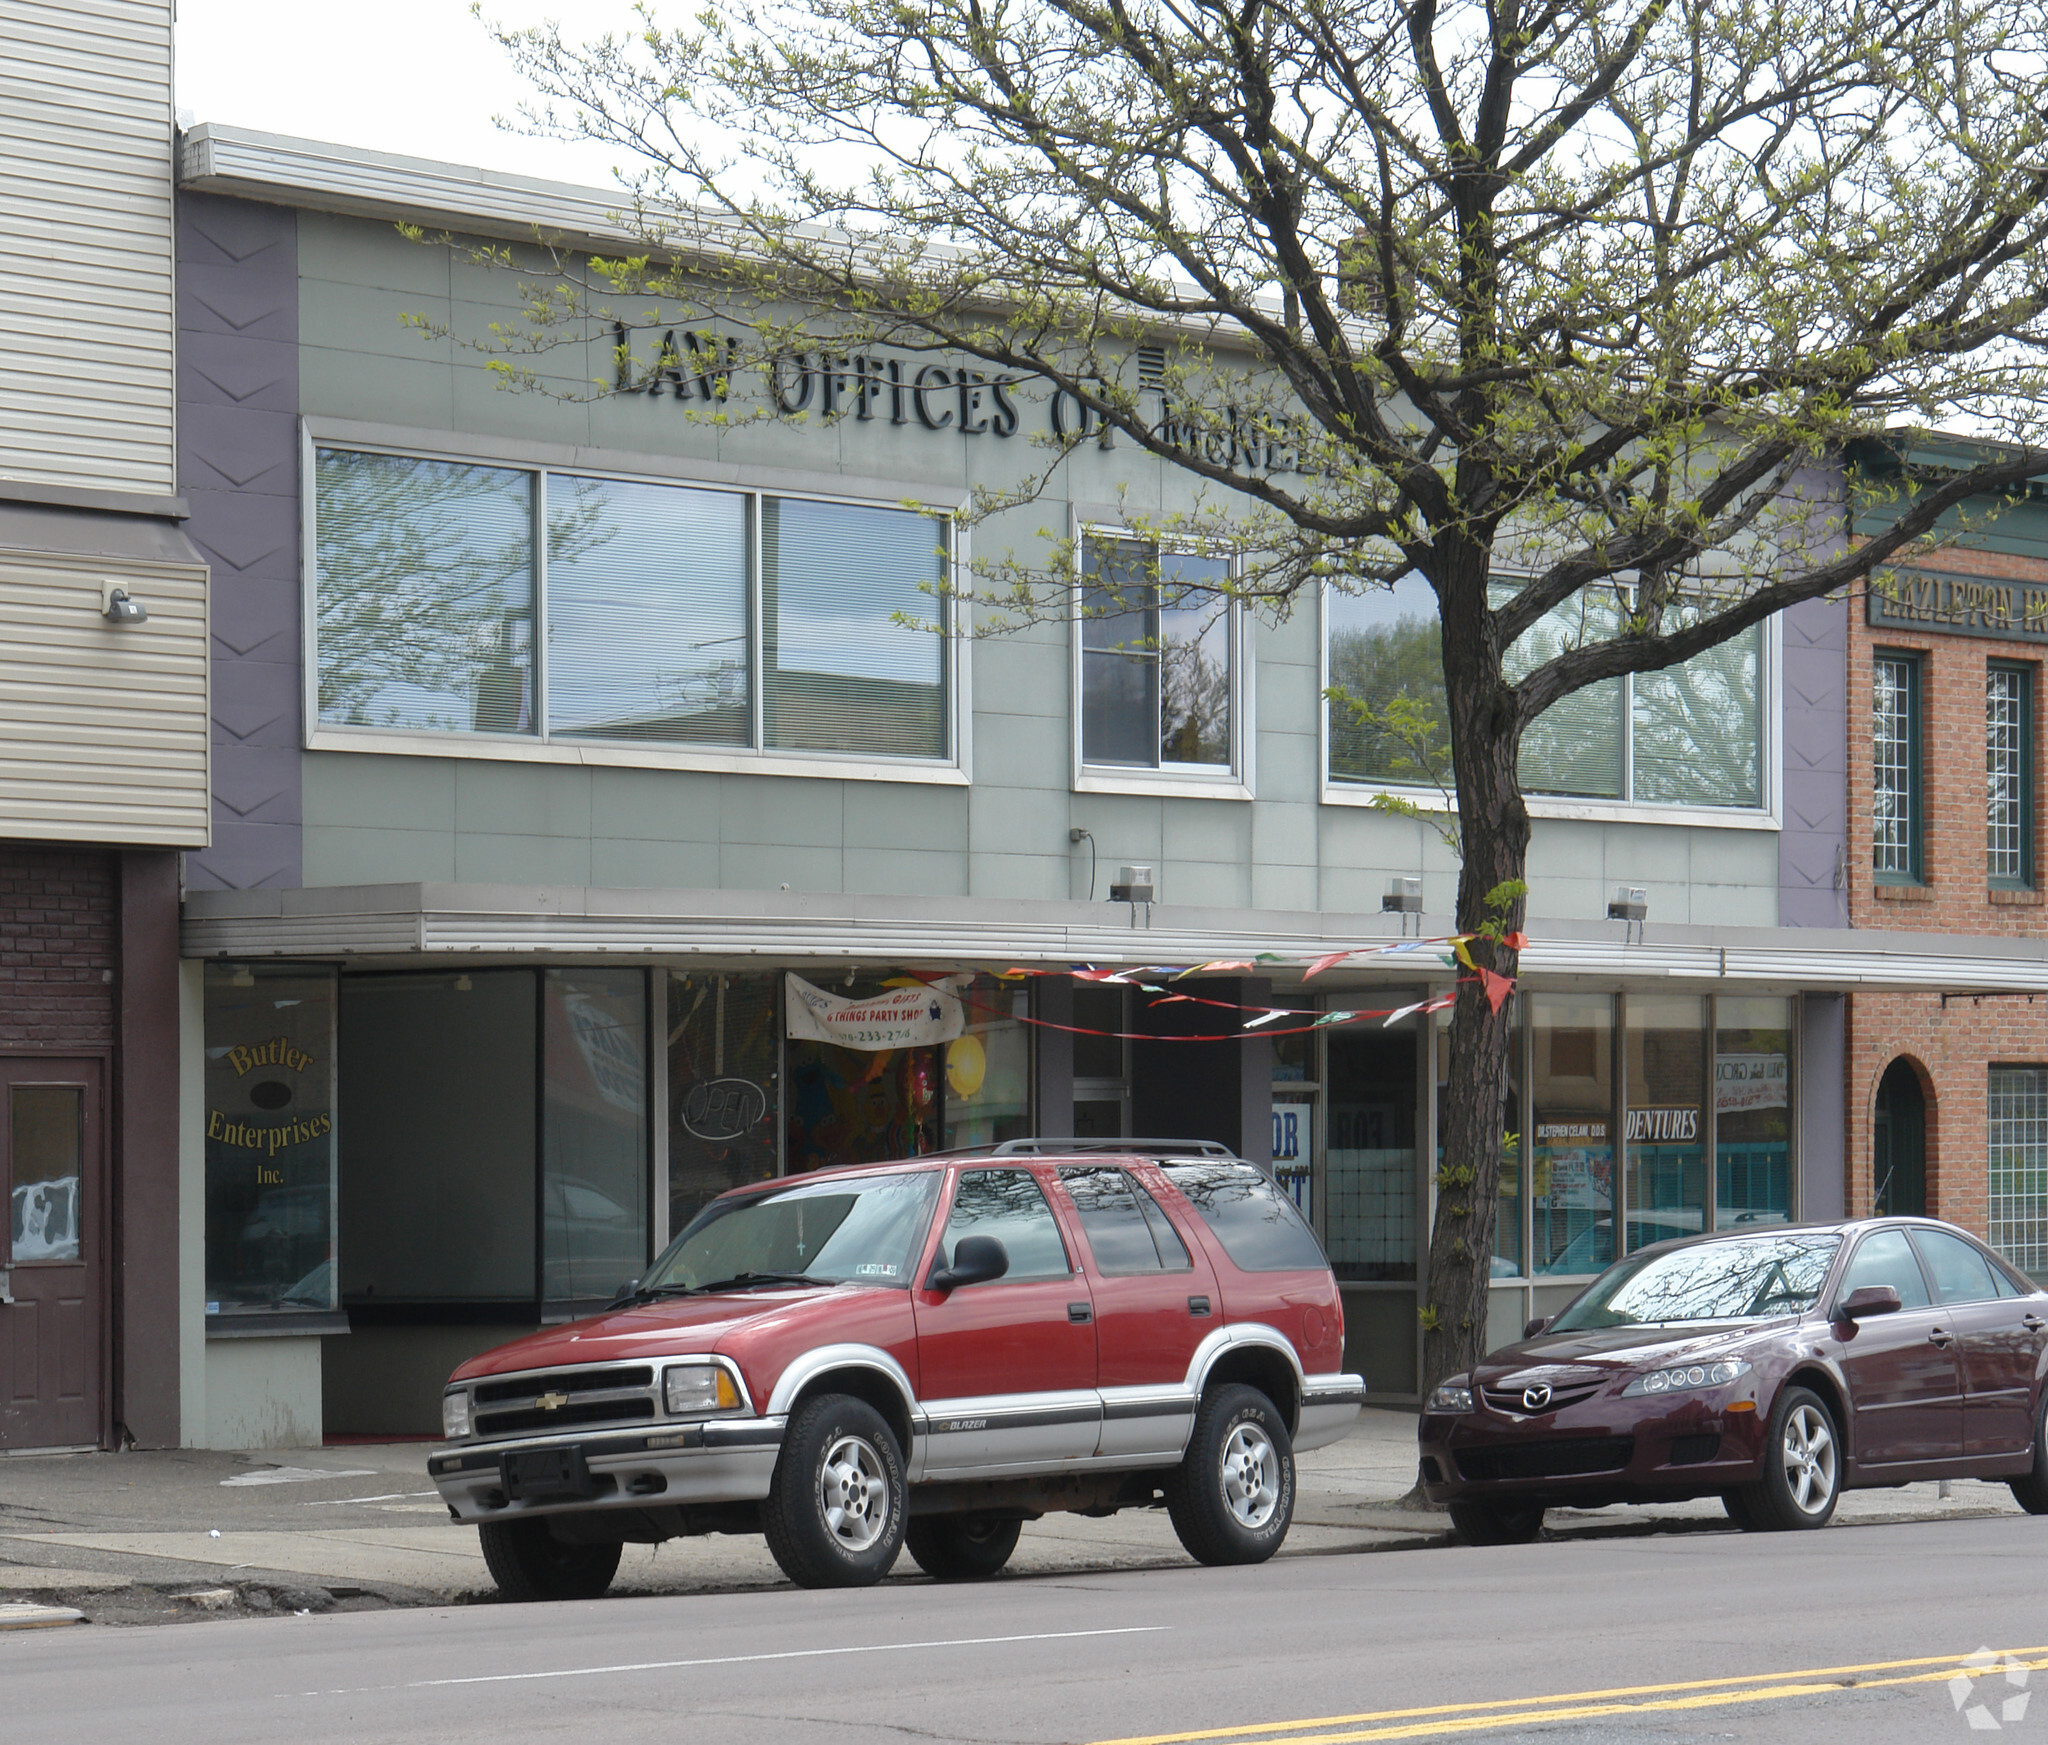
724, 1087
1752, 1111
851, 1105
270, 1145
1370, 1186
988, 1070
1571, 1148
1667, 1127
593, 1132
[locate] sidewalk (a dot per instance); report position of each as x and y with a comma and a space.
154, 1537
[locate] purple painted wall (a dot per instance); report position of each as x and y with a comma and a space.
238, 466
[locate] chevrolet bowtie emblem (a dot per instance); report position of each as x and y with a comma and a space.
550, 1402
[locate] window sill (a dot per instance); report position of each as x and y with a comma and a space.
1552, 806
2012, 897
258, 1324
1903, 893
828, 766
1160, 784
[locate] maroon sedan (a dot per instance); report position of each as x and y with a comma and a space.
1772, 1368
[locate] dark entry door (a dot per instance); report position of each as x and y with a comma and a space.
52, 1164
1898, 1164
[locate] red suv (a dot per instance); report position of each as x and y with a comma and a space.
926, 1353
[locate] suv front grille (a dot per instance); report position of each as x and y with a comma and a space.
512, 1405
1556, 1459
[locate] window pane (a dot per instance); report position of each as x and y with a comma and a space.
593, 1131
1752, 1111
1369, 1163
1571, 1171
1173, 1252
1886, 1258
270, 1184
647, 612
424, 584
1386, 652
46, 1152
1117, 1233
1667, 1128
2005, 767
1961, 1274
840, 672
724, 1095
2018, 1222
1698, 730
1194, 660
1008, 1205
1574, 746
1256, 1223
1892, 823
1120, 641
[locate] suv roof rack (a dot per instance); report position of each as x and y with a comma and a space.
1118, 1147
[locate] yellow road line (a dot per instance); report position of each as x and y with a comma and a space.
1449, 1718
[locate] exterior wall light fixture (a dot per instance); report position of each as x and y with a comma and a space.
117, 606
1133, 885
1629, 905
1403, 898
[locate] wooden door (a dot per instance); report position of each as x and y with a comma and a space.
53, 1263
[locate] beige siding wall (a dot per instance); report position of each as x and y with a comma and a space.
103, 727
86, 375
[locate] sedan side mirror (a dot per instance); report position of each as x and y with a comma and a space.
1867, 1300
1531, 1328
976, 1260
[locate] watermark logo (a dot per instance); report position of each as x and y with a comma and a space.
1975, 1692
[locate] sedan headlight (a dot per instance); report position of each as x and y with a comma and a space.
693, 1388
1687, 1376
455, 1413
1452, 1397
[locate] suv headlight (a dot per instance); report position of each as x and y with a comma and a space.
455, 1413
689, 1389
1452, 1397
1685, 1377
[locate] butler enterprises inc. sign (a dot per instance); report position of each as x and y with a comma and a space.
1966, 605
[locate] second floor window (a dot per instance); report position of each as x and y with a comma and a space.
1895, 823
2008, 776
460, 598
1158, 659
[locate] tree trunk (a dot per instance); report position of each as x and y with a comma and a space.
1494, 830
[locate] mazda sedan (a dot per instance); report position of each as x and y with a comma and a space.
1771, 1368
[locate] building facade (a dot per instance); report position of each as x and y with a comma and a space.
104, 773
575, 750
1948, 1090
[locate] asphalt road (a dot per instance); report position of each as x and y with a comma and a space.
1851, 1634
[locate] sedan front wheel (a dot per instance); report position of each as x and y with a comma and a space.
1802, 1478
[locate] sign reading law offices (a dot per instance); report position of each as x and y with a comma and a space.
1961, 605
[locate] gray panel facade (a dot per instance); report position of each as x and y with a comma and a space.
1812, 876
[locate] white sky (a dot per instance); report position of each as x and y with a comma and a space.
413, 76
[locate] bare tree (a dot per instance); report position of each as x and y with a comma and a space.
1564, 306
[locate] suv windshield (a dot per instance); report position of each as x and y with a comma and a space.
1746, 1278
866, 1231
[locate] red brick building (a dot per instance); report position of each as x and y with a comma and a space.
1947, 1093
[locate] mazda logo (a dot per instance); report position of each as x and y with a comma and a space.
1537, 1397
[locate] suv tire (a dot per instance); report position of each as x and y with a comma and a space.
1496, 1523
1802, 1477
835, 1512
1231, 1499
528, 1562
961, 1547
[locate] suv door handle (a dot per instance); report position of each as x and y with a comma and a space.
1198, 1305
1080, 1312
2032, 1323
1941, 1337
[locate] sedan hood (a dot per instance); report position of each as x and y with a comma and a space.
665, 1327
1602, 1351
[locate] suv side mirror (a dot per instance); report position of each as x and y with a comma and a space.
976, 1260
1531, 1328
1867, 1300
624, 1294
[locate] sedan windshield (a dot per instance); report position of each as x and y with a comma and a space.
829, 1231
1746, 1278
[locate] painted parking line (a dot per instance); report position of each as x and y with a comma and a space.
1447, 1719
745, 1659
